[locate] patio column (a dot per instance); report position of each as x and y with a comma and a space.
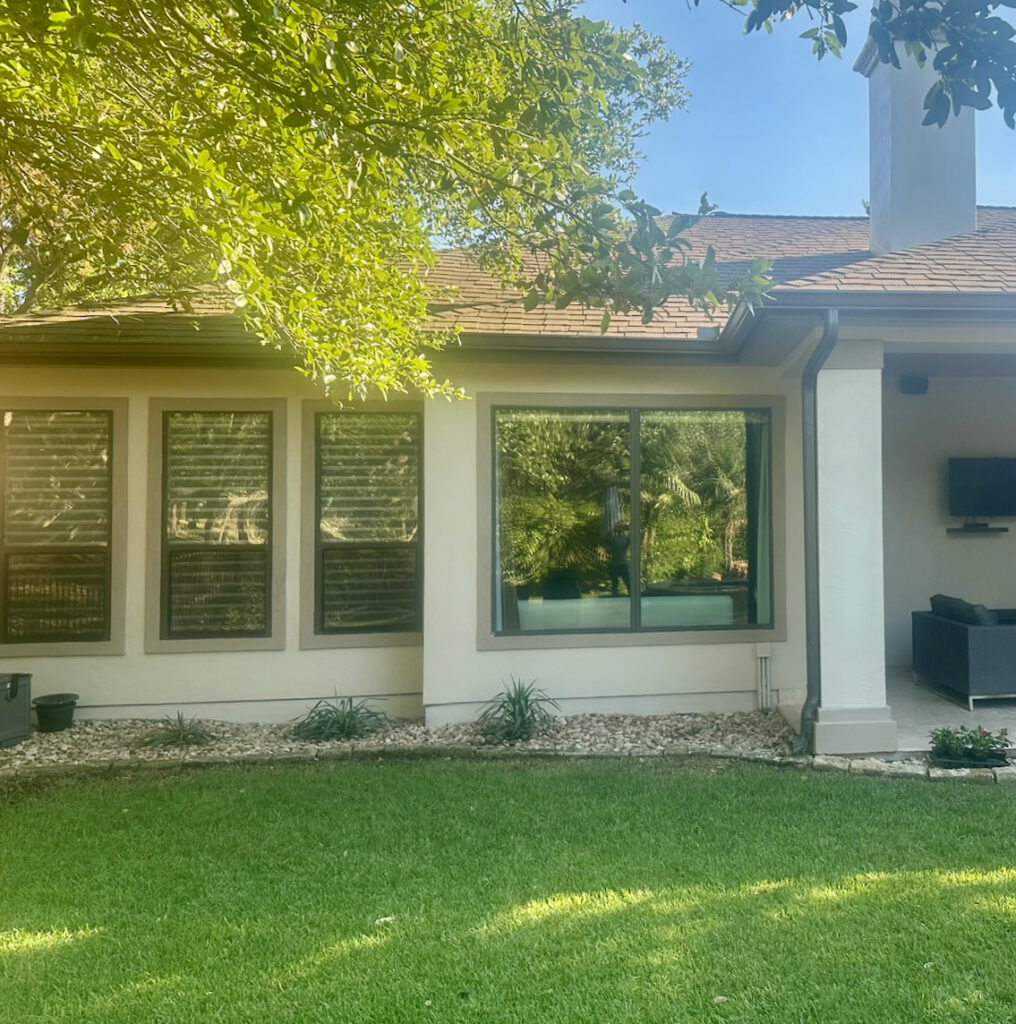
853, 716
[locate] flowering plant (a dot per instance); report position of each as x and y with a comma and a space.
965, 742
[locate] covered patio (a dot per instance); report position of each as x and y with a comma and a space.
956, 399
917, 709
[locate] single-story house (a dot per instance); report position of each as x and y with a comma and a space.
688, 515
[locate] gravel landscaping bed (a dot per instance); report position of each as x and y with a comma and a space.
119, 741
118, 744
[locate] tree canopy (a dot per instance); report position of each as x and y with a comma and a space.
304, 155
971, 47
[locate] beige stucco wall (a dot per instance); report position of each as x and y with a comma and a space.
237, 685
456, 676
620, 674
959, 416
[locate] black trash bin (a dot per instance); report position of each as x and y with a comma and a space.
55, 711
15, 704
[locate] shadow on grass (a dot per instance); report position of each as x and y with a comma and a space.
488, 893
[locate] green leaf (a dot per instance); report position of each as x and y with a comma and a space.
312, 159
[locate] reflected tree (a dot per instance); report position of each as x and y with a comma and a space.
556, 471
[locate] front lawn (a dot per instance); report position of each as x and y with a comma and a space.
562, 891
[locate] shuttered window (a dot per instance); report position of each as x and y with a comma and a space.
57, 492
217, 528
368, 573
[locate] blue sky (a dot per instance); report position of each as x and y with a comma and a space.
768, 128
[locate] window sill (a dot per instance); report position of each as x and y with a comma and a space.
193, 645
487, 641
332, 641
64, 649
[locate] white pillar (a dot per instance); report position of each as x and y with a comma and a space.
853, 716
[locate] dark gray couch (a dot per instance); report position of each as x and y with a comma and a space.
973, 661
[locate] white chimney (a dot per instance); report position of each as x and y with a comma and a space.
921, 178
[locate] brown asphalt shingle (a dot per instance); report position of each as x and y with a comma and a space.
826, 253
205, 302
808, 253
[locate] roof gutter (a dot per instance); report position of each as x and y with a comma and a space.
809, 428
868, 309
889, 308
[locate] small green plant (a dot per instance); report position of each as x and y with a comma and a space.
516, 713
339, 719
177, 732
969, 743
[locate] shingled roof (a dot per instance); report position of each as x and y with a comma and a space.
142, 329
812, 253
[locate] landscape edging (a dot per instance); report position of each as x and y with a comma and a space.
870, 766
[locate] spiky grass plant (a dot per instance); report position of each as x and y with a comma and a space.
177, 732
339, 719
516, 713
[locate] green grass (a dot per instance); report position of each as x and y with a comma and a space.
508, 891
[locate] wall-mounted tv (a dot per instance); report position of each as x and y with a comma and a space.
982, 487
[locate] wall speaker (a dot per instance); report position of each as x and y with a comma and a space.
913, 384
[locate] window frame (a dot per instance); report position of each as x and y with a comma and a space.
489, 403
310, 639
155, 585
117, 565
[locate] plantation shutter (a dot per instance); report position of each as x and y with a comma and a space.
368, 522
57, 487
217, 470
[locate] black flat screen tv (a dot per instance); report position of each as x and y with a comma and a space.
982, 487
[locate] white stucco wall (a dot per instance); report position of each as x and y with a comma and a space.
622, 677
959, 416
235, 685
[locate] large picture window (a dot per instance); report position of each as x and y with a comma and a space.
367, 522
217, 478
57, 468
576, 552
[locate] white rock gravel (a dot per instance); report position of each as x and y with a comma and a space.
119, 741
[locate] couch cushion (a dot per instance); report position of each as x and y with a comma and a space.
963, 611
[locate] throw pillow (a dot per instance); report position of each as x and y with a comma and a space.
963, 611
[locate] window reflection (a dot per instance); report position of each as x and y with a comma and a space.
705, 497
566, 556
563, 486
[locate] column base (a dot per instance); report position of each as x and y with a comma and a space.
869, 730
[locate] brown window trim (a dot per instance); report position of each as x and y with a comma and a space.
310, 605
115, 644
155, 590
488, 640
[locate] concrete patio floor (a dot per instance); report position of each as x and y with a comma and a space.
917, 710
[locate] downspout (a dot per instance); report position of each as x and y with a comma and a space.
813, 626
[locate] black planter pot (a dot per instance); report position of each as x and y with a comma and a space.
55, 711
945, 761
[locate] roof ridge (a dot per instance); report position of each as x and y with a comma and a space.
718, 214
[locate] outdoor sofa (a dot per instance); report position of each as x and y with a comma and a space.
967, 649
